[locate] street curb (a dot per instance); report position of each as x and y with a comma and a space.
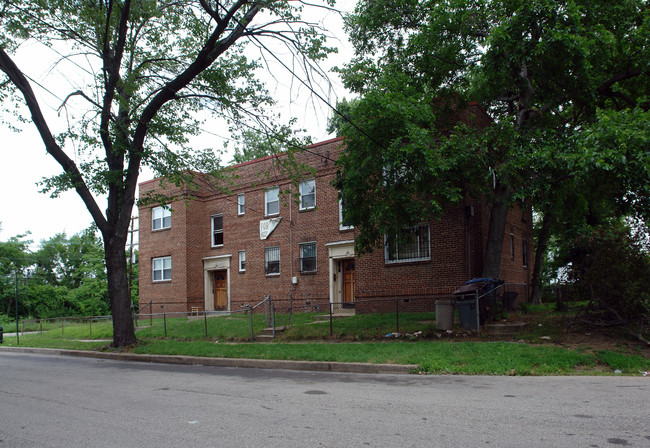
316, 366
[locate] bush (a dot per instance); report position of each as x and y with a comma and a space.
610, 268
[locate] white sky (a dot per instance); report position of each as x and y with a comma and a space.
24, 161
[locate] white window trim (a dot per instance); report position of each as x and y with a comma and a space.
266, 261
300, 186
341, 226
266, 201
165, 212
315, 256
242, 252
408, 260
162, 270
212, 228
241, 204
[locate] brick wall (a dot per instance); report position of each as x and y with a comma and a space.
457, 244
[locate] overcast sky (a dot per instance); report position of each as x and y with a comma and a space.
24, 162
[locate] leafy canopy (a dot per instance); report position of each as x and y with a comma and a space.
551, 74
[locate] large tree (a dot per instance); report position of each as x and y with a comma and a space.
545, 71
146, 69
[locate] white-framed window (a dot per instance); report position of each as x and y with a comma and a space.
308, 194
241, 204
343, 224
308, 257
217, 230
242, 261
524, 252
161, 269
411, 244
272, 201
161, 218
272, 260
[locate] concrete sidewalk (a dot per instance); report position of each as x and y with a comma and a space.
318, 366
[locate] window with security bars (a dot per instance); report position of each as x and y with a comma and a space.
217, 230
308, 257
411, 244
272, 260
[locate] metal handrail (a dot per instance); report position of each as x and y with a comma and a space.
266, 298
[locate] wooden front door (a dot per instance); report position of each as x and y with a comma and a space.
220, 290
347, 268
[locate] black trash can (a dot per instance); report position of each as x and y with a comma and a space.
468, 293
467, 313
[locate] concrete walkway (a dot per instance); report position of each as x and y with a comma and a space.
318, 366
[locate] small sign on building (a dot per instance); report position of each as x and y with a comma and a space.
267, 226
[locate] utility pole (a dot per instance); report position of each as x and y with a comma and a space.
16, 304
132, 230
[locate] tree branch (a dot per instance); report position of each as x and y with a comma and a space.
606, 87
8, 66
81, 94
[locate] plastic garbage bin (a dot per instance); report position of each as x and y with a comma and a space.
467, 313
445, 314
510, 297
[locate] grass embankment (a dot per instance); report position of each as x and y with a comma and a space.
362, 339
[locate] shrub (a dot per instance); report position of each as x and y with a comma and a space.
610, 268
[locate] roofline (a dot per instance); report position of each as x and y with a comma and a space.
481, 108
261, 159
145, 182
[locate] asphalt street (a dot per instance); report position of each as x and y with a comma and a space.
59, 401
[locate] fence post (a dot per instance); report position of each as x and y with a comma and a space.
41, 322
478, 320
273, 319
90, 324
250, 318
396, 315
62, 321
150, 315
205, 319
331, 318
291, 309
165, 324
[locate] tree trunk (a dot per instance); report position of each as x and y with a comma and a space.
118, 291
540, 252
496, 229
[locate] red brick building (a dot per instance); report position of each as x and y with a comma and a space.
219, 251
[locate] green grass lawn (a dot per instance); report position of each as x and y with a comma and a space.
361, 338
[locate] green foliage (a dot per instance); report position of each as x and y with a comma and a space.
64, 277
566, 84
148, 75
257, 143
610, 268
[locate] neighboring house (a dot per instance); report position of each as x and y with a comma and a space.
218, 252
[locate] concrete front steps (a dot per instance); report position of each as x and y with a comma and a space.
266, 335
336, 314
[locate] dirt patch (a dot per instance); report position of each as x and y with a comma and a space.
556, 329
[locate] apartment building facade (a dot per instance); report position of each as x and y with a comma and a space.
219, 251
